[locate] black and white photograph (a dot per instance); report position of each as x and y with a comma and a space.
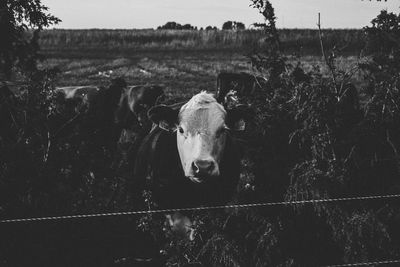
213, 133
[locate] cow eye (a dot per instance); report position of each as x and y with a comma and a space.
180, 129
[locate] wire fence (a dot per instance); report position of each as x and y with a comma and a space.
372, 263
236, 206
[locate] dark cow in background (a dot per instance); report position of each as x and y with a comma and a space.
231, 87
101, 114
134, 104
96, 99
94, 108
189, 158
131, 116
113, 116
71, 92
77, 98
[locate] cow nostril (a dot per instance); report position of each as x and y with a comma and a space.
203, 166
210, 166
195, 168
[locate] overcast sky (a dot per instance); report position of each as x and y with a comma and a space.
152, 13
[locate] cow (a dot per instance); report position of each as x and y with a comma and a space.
190, 158
231, 87
135, 102
131, 116
70, 92
77, 98
102, 98
100, 116
96, 107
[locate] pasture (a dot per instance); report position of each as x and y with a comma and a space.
303, 41
312, 132
184, 61
183, 73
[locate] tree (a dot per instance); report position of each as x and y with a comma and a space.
233, 25
258, 26
187, 27
209, 28
228, 25
176, 26
17, 49
240, 26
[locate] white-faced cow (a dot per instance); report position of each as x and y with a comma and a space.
190, 158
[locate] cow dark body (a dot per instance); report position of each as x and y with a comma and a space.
134, 104
94, 108
100, 115
233, 86
158, 168
131, 116
77, 98
70, 92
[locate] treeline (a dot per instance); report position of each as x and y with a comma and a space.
303, 41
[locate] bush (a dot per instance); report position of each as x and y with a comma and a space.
314, 138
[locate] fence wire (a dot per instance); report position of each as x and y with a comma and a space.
372, 263
236, 206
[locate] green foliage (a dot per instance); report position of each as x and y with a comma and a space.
316, 137
17, 47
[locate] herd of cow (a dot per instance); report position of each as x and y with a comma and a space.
186, 147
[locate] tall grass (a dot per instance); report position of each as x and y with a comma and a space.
294, 40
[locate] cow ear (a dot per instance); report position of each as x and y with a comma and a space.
165, 117
238, 117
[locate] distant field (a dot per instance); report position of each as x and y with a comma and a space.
303, 41
185, 62
182, 73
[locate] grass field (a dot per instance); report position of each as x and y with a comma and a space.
184, 61
182, 73
303, 41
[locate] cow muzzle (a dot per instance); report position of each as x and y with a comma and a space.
202, 170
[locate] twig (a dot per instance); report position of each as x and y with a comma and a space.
46, 155
391, 144
66, 124
324, 54
384, 103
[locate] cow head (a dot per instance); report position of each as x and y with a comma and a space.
201, 126
146, 97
